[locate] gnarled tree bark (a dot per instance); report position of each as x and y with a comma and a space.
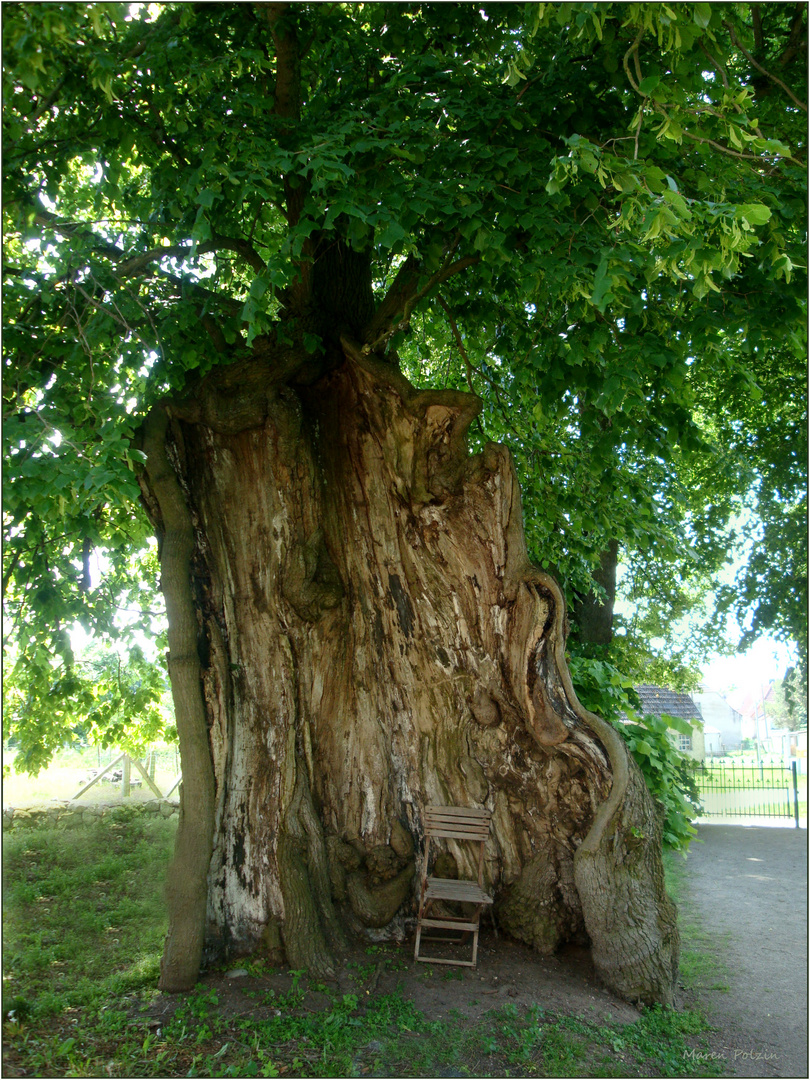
371, 637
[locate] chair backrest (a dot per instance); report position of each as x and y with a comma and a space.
457, 823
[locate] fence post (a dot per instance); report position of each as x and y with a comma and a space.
125, 778
795, 792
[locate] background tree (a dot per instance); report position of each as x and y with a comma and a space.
232, 231
786, 704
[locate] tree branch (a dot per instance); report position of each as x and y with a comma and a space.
139, 47
133, 266
137, 264
756, 18
404, 294
762, 70
719, 67
394, 302
158, 132
234, 306
457, 335
795, 38
212, 328
287, 92
47, 102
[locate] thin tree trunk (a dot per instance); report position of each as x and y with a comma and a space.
188, 876
593, 613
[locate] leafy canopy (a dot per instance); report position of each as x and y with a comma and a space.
593, 215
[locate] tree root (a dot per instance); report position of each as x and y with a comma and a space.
376, 907
301, 932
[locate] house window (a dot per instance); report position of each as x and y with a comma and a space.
685, 743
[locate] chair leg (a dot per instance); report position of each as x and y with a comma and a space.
475, 933
424, 909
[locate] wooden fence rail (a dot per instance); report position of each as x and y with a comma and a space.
126, 763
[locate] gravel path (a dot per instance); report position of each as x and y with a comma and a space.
746, 888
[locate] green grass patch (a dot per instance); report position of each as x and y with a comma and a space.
700, 965
83, 911
84, 924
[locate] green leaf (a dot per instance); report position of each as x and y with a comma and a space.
258, 287
602, 284
391, 235
673, 199
677, 723
312, 343
646, 86
754, 213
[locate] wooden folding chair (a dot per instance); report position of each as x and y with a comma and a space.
458, 823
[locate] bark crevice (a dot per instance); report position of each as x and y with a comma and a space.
378, 640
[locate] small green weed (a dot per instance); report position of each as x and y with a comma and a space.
453, 975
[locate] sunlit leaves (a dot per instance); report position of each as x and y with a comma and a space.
669, 775
626, 191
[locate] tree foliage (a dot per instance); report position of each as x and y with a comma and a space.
593, 215
786, 704
669, 774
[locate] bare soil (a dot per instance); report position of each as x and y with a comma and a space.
507, 971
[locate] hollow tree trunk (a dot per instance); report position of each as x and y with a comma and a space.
373, 638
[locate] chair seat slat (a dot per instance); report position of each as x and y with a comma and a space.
464, 826
436, 960
459, 819
452, 833
449, 924
451, 889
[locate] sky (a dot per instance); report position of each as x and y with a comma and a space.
745, 673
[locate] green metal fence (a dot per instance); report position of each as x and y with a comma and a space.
734, 789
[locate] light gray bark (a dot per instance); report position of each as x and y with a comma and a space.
374, 639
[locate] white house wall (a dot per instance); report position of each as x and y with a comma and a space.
717, 713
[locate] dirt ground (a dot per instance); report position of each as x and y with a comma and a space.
506, 972
746, 888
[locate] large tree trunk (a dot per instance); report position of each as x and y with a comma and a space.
372, 638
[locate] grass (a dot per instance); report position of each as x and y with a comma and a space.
83, 912
83, 930
700, 965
